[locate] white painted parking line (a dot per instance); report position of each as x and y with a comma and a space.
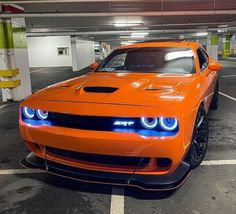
3, 106
228, 62
226, 95
224, 76
35, 71
117, 201
218, 162
20, 171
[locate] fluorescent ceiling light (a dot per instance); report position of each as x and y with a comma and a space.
223, 26
139, 34
201, 34
222, 30
126, 24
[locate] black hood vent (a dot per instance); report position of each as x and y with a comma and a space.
98, 89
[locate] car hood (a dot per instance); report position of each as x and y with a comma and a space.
120, 88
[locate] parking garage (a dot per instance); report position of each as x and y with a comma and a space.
45, 42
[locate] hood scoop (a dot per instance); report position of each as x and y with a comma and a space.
99, 89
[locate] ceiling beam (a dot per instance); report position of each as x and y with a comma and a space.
124, 32
229, 24
107, 14
65, 1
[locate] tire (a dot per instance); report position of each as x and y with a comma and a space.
199, 144
215, 98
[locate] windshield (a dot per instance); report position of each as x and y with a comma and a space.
158, 59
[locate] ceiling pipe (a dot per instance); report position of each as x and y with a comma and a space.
64, 1
107, 14
186, 37
103, 33
73, 28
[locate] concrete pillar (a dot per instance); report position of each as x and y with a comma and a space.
232, 44
74, 54
226, 47
106, 49
212, 45
14, 67
3, 61
83, 53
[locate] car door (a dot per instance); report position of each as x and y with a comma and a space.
207, 78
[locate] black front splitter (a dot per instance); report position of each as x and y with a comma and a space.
146, 182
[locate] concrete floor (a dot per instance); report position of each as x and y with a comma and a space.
209, 189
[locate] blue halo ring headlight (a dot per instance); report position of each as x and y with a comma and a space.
28, 112
168, 123
42, 115
149, 123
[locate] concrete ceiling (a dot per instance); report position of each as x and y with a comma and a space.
95, 19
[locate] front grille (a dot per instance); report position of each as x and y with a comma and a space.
100, 159
87, 122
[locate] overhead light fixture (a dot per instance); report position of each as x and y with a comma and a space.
139, 34
201, 33
222, 30
222, 26
126, 24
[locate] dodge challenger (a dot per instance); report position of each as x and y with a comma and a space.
139, 118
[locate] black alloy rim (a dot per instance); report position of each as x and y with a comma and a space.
200, 137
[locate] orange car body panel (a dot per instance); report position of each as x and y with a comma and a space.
178, 95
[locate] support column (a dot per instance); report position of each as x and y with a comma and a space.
14, 66
226, 47
6, 94
106, 49
232, 45
212, 45
83, 53
75, 66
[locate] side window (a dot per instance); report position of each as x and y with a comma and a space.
203, 59
205, 53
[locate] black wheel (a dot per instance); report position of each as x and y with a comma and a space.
214, 102
199, 142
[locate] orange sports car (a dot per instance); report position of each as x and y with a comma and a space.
138, 119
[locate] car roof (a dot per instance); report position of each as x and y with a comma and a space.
193, 45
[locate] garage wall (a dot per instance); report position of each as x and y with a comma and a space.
43, 51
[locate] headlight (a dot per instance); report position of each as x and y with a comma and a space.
149, 123
168, 123
42, 115
28, 112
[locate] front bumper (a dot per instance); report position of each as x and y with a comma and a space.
146, 182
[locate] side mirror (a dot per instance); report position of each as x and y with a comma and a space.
214, 66
94, 65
